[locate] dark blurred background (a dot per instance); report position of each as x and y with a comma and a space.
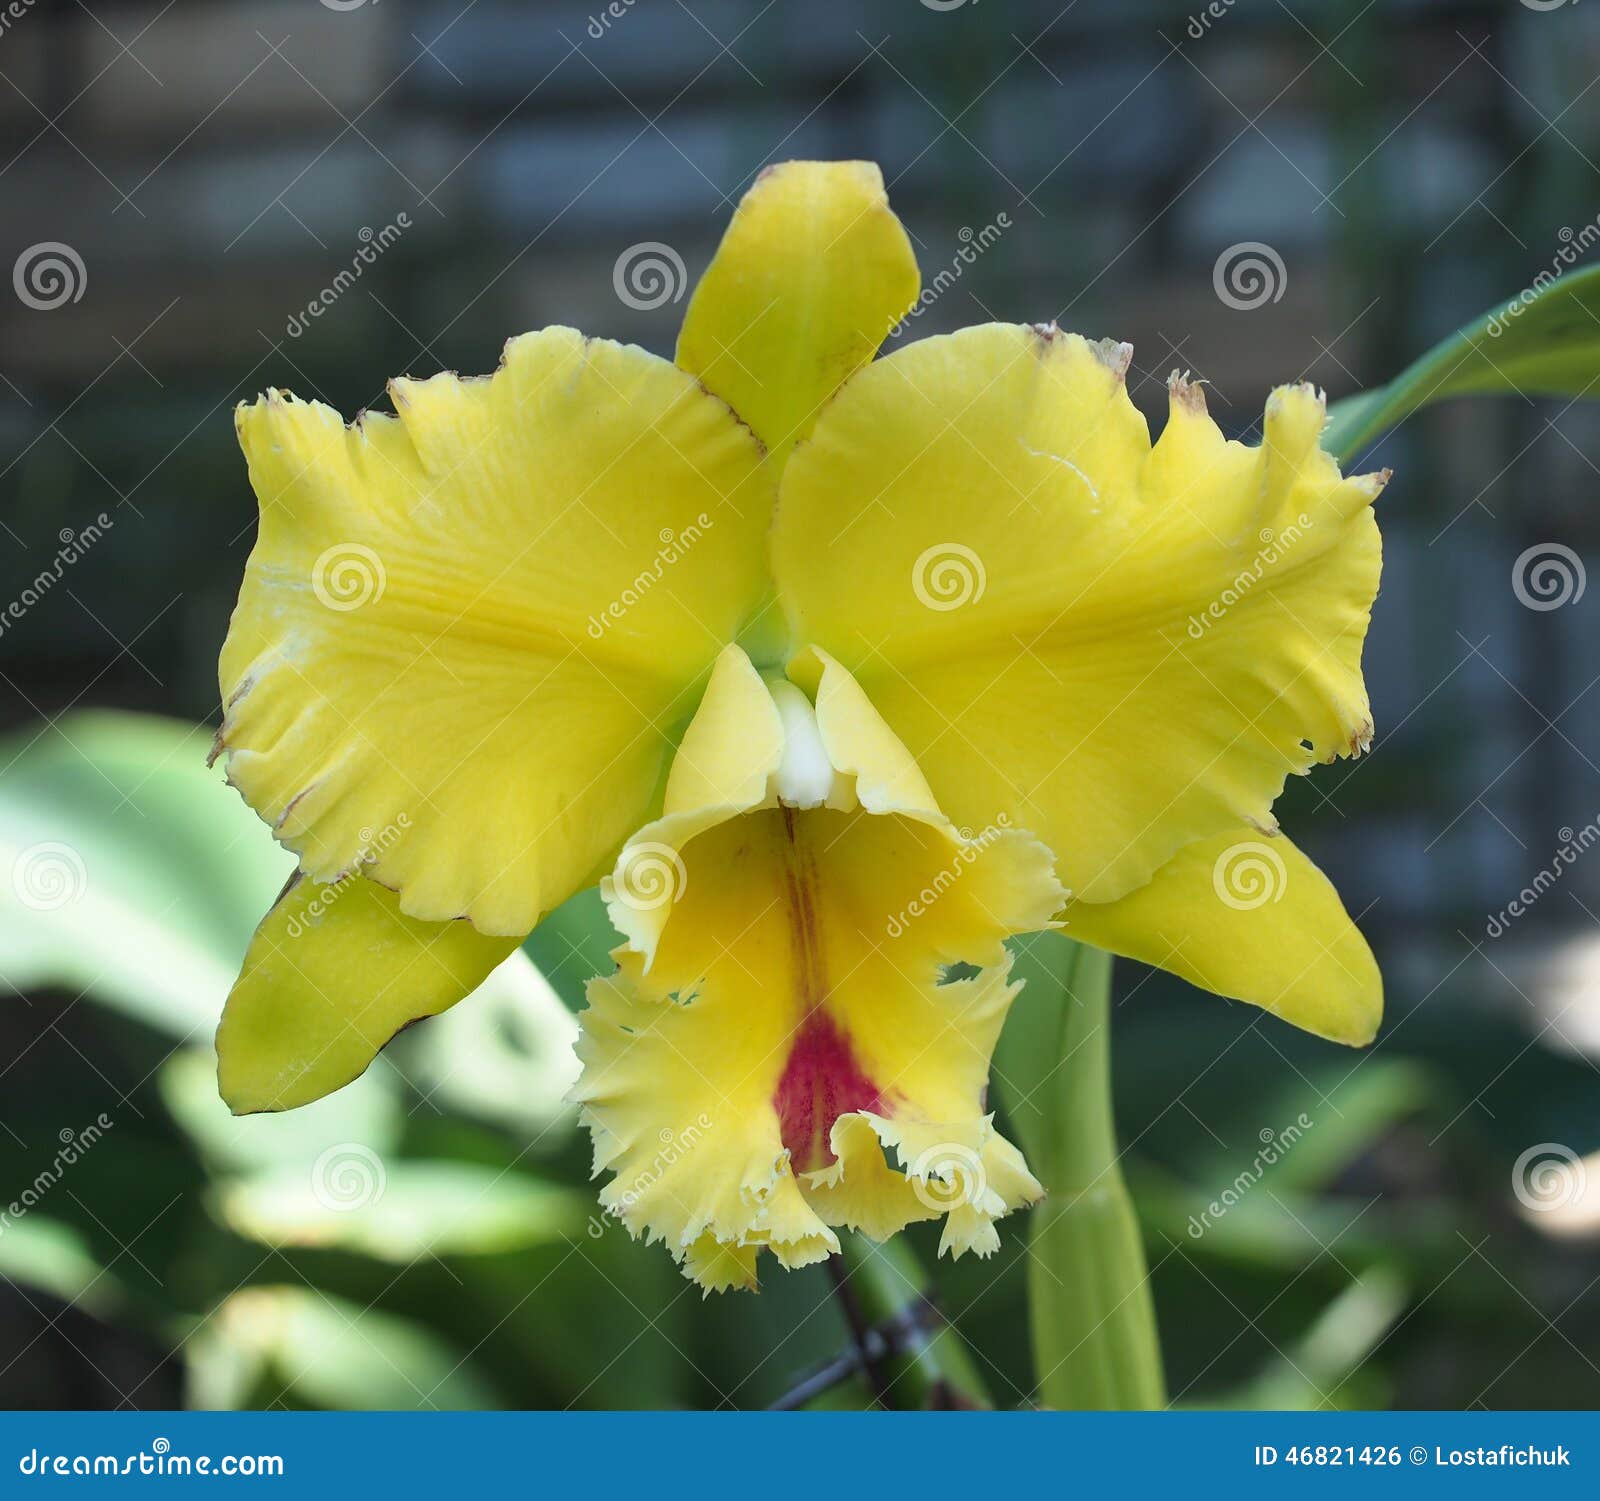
199, 174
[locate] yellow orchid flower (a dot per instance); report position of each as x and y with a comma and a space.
789, 918
838, 671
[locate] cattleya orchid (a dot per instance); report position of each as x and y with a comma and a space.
835, 672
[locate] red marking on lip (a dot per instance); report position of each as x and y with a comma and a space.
821, 1081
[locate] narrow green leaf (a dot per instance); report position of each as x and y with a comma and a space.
301, 1347
1328, 1365
351, 1200
1351, 1111
1545, 341
1271, 1231
54, 1258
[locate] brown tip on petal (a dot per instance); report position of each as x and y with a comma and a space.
1303, 386
1045, 331
218, 745
1114, 355
1360, 742
1375, 482
1185, 393
1268, 830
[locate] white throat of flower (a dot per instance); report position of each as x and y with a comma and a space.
806, 777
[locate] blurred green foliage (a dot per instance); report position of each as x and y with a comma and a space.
191, 1256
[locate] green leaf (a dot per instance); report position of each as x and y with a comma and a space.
1272, 1230
54, 1258
367, 1111
1351, 1111
573, 944
1543, 342
1328, 1365
504, 1056
350, 1199
270, 1346
1094, 1334
127, 869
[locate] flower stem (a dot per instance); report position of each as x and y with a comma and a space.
869, 1345
1093, 1322
922, 1361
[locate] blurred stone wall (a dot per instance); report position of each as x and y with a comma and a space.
1396, 165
